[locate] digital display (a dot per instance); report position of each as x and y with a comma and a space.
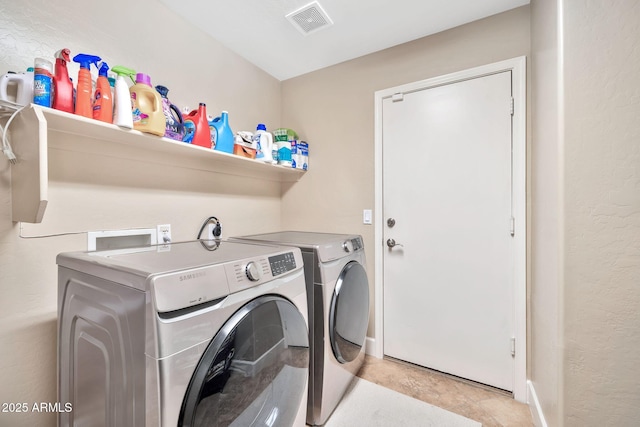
357, 244
282, 263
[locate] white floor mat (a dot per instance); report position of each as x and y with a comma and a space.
366, 404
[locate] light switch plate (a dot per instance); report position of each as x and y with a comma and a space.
367, 217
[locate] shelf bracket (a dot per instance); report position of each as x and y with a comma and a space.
30, 175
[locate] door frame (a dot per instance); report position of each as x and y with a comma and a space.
517, 66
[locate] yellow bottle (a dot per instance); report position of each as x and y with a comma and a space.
147, 106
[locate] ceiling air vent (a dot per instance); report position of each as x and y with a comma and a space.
310, 18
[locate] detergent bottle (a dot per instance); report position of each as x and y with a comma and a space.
84, 105
173, 118
223, 135
20, 85
42, 82
102, 103
62, 86
197, 128
147, 106
122, 115
264, 142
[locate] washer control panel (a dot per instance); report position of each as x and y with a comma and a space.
282, 263
357, 244
254, 271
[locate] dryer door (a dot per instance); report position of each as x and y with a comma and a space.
349, 315
254, 371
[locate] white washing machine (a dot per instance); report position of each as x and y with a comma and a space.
197, 333
338, 302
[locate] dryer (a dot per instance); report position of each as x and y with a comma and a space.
338, 303
198, 333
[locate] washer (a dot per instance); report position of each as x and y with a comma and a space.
198, 333
338, 301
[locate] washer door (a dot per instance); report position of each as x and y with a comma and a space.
254, 371
349, 315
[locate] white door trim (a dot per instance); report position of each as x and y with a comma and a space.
518, 68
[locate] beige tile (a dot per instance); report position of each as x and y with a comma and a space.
493, 408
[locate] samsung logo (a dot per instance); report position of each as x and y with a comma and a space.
192, 276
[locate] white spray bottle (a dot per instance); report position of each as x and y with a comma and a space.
123, 115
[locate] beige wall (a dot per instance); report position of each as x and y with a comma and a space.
546, 220
584, 177
586, 263
601, 213
91, 193
333, 109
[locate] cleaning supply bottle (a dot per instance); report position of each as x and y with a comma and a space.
173, 118
62, 86
103, 104
147, 106
197, 127
112, 88
122, 115
84, 92
28, 85
223, 136
264, 142
42, 82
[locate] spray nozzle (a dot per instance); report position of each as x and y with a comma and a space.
63, 54
124, 71
104, 67
85, 60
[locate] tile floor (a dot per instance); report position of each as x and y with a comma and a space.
492, 408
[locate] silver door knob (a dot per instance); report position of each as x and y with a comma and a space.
391, 222
392, 243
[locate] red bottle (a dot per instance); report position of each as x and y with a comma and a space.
196, 122
62, 86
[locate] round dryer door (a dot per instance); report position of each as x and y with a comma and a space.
349, 315
254, 371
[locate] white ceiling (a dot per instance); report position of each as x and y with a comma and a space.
258, 30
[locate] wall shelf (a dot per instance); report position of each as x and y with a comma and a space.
37, 129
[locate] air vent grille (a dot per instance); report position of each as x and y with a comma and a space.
310, 18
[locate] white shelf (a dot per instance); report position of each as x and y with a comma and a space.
36, 129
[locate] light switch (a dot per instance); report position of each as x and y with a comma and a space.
367, 216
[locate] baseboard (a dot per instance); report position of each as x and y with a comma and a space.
534, 406
370, 347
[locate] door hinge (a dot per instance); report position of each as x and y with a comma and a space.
397, 97
512, 226
511, 106
513, 346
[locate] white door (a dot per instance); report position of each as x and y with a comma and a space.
447, 185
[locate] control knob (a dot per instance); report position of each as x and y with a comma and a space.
252, 271
347, 246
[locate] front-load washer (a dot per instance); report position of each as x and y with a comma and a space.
198, 333
338, 302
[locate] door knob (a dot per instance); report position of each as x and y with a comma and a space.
392, 243
391, 222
